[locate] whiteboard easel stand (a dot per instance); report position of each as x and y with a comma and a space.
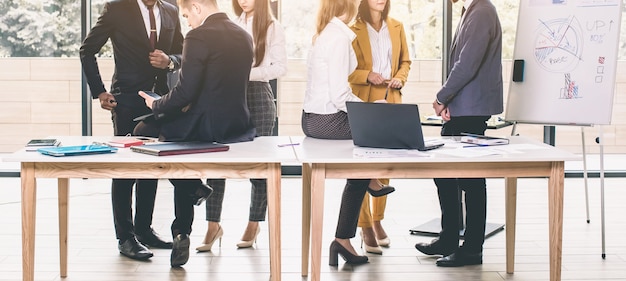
600, 141
585, 176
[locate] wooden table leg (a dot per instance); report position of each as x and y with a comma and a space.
318, 177
306, 216
63, 185
273, 203
29, 204
511, 215
555, 218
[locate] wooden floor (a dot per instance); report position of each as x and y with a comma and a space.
93, 253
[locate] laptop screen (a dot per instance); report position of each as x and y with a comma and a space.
385, 125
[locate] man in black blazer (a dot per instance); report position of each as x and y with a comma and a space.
470, 95
140, 64
207, 104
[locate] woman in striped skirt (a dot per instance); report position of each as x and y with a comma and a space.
270, 62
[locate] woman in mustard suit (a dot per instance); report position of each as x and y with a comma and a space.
383, 66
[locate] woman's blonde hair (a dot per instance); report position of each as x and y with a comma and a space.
334, 8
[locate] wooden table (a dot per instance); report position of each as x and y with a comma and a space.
260, 158
322, 159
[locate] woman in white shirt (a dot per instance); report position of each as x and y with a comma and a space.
330, 62
270, 62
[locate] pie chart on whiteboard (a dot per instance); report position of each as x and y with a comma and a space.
558, 44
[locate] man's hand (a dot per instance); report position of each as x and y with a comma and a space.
159, 59
107, 101
147, 98
394, 83
375, 78
441, 110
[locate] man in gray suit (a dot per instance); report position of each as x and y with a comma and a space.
470, 95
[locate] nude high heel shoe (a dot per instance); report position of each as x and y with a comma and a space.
206, 247
249, 243
385, 242
370, 249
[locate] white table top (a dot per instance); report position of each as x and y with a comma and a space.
520, 149
261, 150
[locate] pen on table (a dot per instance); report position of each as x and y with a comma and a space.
475, 145
288, 144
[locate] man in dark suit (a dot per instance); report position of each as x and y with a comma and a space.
470, 95
147, 44
207, 104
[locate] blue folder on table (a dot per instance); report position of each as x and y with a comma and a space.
77, 150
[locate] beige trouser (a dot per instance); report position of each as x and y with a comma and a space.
374, 213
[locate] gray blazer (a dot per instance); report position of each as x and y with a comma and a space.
474, 83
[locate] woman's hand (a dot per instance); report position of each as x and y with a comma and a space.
394, 83
375, 78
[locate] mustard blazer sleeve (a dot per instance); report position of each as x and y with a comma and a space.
401, 61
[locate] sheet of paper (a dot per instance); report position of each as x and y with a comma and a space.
367, 152
470, 152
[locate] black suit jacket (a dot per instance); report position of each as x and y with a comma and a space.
121, 21
217, 57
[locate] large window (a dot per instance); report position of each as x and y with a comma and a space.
51, 28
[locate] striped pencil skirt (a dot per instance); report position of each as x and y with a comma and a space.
263, 114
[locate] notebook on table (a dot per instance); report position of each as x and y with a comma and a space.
387, 125
77, 150
177, 148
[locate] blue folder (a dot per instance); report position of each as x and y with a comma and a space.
77, 150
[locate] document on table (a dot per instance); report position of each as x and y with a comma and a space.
367, 152
469, 152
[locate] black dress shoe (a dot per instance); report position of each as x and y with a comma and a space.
201, 193
151, 239
460, 258
134, 250
180, 250
435, 247
381, 192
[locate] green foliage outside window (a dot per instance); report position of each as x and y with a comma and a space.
51, 28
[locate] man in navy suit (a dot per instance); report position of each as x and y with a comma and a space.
470, 95
207, 104
147, 44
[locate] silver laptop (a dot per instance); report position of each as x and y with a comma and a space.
387, 125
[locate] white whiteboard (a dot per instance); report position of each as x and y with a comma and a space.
569, 49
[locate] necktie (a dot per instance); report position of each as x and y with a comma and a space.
463, 11
153, 31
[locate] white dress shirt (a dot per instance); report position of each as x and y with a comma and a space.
145, 14
380, 42
274, 62
330, 62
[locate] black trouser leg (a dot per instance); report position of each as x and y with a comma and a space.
183, 205
145, 195
449, 202
448, 191
121, 199
351, 201
475, 214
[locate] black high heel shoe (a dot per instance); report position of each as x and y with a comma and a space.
337, 249
386, 189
